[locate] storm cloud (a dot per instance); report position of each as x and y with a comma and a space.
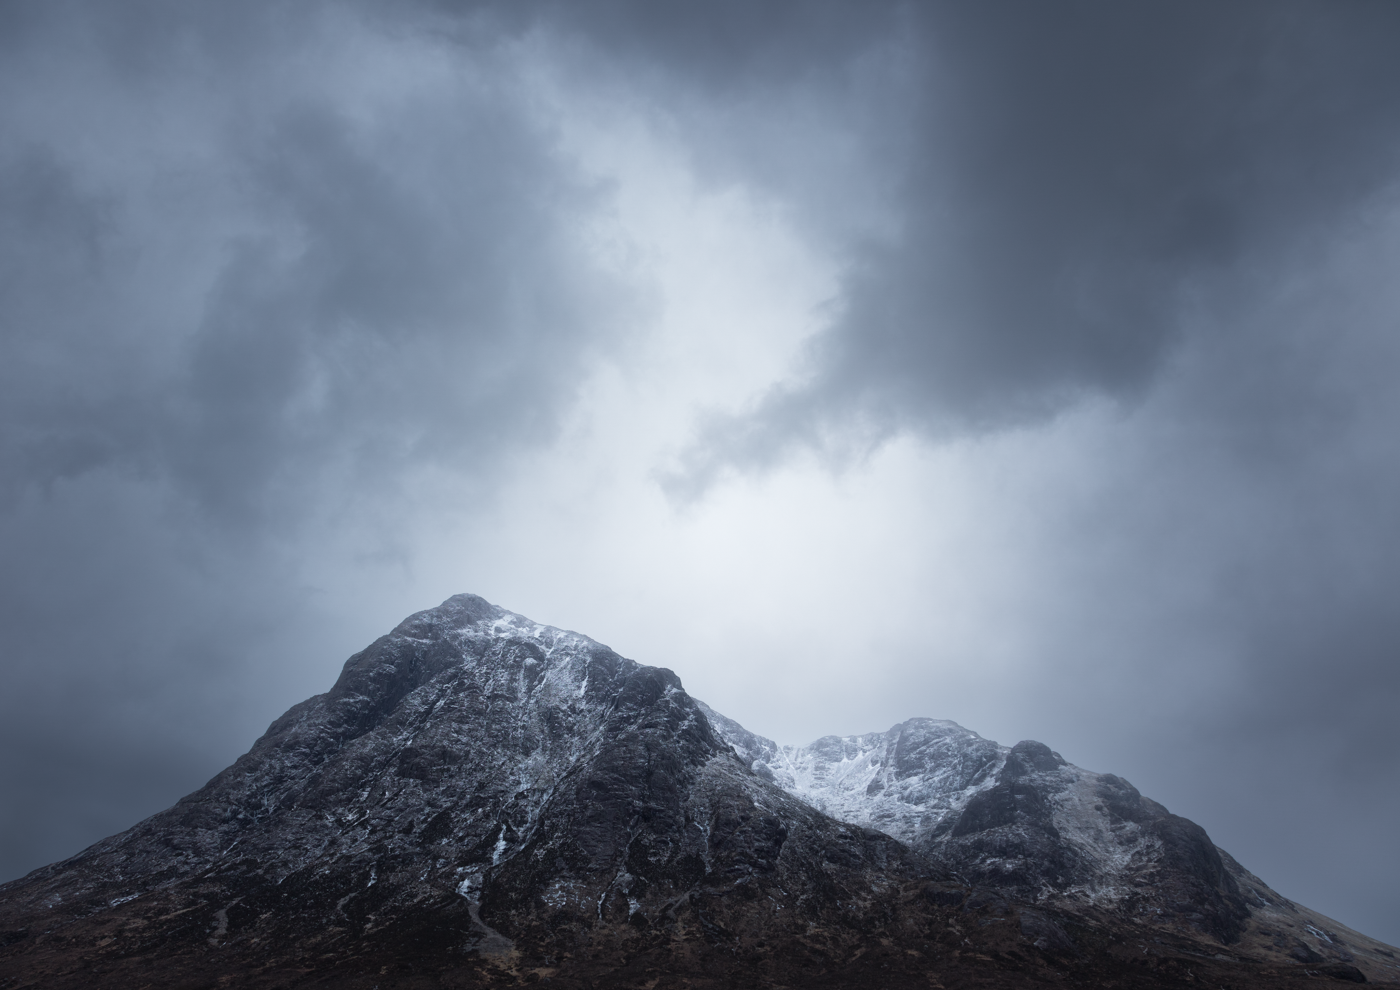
1025, 364
1079, 188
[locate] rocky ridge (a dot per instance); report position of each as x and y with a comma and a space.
1021, 819
484, 800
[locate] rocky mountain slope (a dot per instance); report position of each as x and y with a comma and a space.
1019, 819
483, 800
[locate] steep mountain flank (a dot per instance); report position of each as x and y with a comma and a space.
482, 800
1020, 819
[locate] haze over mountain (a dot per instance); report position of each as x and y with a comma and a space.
484, 800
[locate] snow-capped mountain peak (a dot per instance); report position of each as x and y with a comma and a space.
910, 782
478, 789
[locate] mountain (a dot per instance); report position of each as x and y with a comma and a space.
483, 800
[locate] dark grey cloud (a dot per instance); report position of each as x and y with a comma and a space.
1078, 182
405, 291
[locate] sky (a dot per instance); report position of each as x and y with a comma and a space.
1032, 365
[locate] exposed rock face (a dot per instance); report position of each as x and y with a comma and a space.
482, 799
1020, 819
499, 777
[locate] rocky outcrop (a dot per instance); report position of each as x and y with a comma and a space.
1020, 819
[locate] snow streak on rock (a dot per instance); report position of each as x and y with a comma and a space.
911, 782
1019, 818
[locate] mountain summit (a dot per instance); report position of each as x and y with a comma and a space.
484, 800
